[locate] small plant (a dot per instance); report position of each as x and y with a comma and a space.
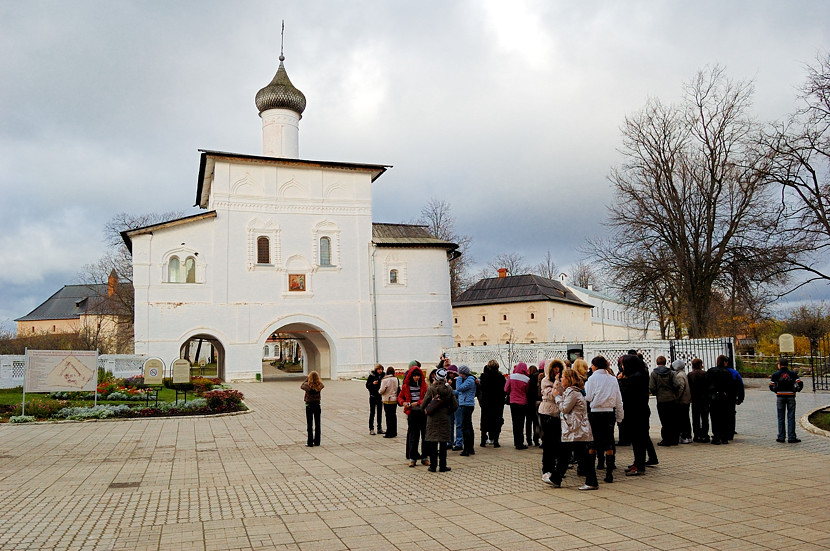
44, 408
21, 419
134, 382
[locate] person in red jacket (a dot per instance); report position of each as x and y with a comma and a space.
412, 394
516, 389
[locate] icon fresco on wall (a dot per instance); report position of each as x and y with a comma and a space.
296, 282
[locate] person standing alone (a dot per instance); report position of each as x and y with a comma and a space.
785, 383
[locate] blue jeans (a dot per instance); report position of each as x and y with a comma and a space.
459, 430
786, 403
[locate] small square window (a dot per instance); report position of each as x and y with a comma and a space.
483, 318
532, 315
504, 317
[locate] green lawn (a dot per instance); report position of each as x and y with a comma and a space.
821, 419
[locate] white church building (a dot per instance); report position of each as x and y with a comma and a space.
288, 245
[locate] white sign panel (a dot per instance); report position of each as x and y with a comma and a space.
61, 370
786, 344
153, 372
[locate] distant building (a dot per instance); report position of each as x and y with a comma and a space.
96, 310
612, 320
519, 309
532, 309
288, 246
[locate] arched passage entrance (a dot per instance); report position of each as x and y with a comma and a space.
316, 347
207, 350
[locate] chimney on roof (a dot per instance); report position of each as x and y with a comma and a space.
590, 286
502, 272
563, 277
112, 283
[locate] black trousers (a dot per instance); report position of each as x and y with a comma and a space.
391, 411
312, 423
602, 426
667, 411
637, 429
531, 424
437, 452
416, 430
700, 418
375, 408
467, 433
586, 463
684, 426
492, 418
517, 413
551, 441
721, 412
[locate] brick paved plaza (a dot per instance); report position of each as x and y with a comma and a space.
248, 482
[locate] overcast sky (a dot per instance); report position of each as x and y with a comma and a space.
509, 111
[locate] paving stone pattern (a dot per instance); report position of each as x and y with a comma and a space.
248, 482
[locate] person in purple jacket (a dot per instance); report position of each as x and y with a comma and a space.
516, 390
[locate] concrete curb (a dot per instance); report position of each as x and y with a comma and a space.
117, 419
804, 421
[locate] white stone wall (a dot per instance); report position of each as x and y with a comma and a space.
241, 303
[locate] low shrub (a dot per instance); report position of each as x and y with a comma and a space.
72, 395
201, 385
168, 383
44, 408
95, 412
107, 387
224, 400
119, 396
134, 382
21, 419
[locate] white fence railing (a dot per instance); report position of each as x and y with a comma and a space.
508, 355
12, 368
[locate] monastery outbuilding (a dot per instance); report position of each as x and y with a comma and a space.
288, 245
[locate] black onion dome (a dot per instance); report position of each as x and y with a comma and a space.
280, 93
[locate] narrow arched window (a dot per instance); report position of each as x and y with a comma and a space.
190, 270
263, 250
174, 270
393, 276
325, 251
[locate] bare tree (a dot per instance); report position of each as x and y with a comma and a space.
513, 262
800, 153
583, 275
437, 216
110, 281
812, 321
547, 267
693, 214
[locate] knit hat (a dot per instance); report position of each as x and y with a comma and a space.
452, 368
414, 363
542, 365
440, 374
463, 369
678, 365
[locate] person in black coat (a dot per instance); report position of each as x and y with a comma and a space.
375, 401
491, 402
722, 397
635, 394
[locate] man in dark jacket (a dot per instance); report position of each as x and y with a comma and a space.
663, 384
634, 390
785, 383
722, 397
375, 401
492, 403
699, 386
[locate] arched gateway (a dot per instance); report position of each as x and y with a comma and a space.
316, 345
205, 349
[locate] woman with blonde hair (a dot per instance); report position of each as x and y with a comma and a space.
581, 368
312, 386
576, 429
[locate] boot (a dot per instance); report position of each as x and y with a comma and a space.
496, 443
600, 462
483, 442
609, 469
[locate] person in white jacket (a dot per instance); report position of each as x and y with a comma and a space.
602, 392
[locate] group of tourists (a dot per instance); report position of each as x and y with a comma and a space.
569, 410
